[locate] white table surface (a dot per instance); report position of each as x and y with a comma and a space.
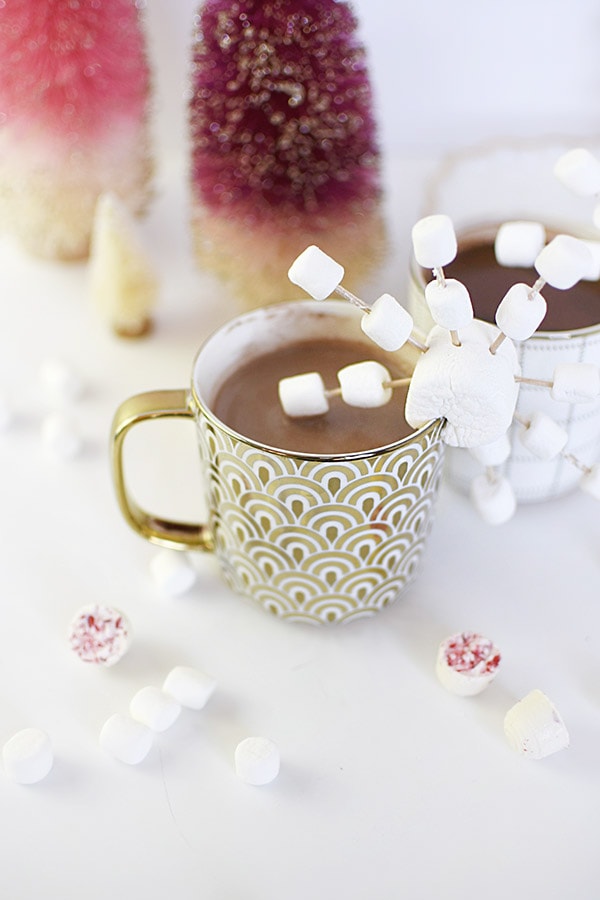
389, 787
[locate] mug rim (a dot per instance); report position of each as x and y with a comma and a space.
208, 413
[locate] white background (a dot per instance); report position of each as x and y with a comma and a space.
389, 787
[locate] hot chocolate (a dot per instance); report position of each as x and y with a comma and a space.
248, 401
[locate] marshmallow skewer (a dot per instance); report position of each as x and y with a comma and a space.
365, 384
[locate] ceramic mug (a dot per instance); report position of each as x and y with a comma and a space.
313, 538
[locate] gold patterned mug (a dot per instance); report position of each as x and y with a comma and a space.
313, 538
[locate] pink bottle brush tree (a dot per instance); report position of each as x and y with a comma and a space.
283, 143
74, 103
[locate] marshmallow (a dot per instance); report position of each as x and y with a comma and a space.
519, 243
493, 498
303, 395
60, 437
576, 382
590, 483
473, 389
28, 756
125, 739
594, 272
434, 241
449, 303
579, 170
364, 384
534, 727
59, 381
494, 453
520, 312
388, 324
316, 273
543, 436
563, 261
172, 572
190, 687
257, 760
100, 634
153, 708
466, 663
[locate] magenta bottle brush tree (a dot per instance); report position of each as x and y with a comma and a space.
74, 102
283, 143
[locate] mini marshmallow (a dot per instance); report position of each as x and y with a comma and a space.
576, 382
172, 572
494, 453
467, 663
257, 760
594, 272
534, 727
543, 436
303, 395
579, 171
153, 708
449, 303
520, 312
434, 241
364, 384
316, 273
590, 483
28, 756
388, 324
190, 687
125, 739
563, 261
60, 382
60, 438
519, 243
493, 498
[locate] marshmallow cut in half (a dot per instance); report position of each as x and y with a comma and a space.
493, 498
579, 170
153, 708
576, 382
467, 663
316, 273
534, 727
257, 760
387, 324
191, 687
543, 437
520, 312
434, 241
563, 261
126, 739
303, 395
28, 756
519, 243
365, 384
449, 303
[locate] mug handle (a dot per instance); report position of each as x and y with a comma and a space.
142, 408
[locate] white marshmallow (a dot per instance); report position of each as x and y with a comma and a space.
449, 304
467, 663
28, 756
534, 727
494, 453
543, 436
576, 382
473, 389
494, 499
125, 739
190, 687
563, 261
60, 437
594, 272
257, 760
303, 395
172, 572
316, 273
590, 483
388, 324
60, 382
579, 170
153, 708
520, 312
363, 384
518, 243
434, 241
